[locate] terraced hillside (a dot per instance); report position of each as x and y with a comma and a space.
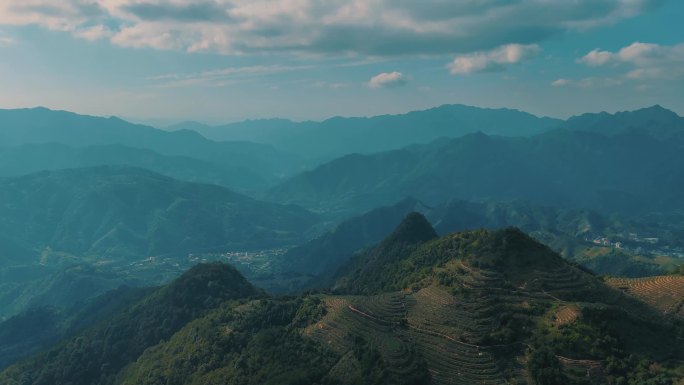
476, 307
665, 293
466, 337
481, 307
408, 338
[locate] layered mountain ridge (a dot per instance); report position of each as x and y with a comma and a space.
340, 136
633, 170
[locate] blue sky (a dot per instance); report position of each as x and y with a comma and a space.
225, 60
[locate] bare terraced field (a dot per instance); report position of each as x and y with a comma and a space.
665, 293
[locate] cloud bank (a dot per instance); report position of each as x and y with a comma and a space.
340, 27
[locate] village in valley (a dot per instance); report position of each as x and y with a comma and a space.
633, 243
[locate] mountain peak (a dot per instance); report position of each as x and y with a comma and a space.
214, 282
657, 110
414, 229
376, 269
655, 121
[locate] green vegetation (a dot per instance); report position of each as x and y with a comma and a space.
240, 343
545, 369
610, 345
40, 327
96, 355
473, 307
506, 283
410, 261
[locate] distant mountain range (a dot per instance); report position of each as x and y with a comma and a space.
251, 164
474, 307
654, 121
341, 136
247, 157
30, 158
253, 156
634, 169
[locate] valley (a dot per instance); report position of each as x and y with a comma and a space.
349, 192
397, 266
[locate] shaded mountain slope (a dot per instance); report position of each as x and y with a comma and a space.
98, 354
40, 327
374, 271
329, 250
58, 288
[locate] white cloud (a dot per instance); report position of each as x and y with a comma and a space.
589, 82
387, 80
65, 15
596, 58
334, 86
648, 61
360, 27
6, 41
93, 33
494, 60
149, 35
220, 77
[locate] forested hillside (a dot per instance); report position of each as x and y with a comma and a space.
479, 306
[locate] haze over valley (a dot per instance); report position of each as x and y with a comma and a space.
341, 193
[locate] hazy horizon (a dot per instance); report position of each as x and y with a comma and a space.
164, 123
226, 61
